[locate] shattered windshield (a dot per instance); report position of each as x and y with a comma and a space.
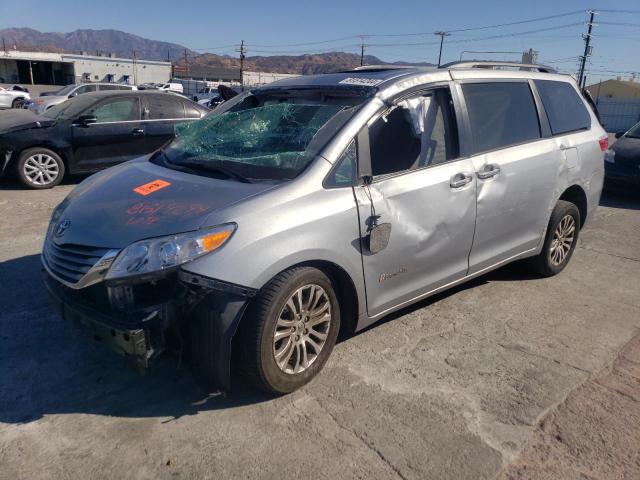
260, 139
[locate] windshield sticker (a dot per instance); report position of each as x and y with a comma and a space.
151, 187
369, 82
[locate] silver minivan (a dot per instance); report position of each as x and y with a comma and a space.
320, 204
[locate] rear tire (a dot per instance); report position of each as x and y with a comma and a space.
560, 241
288, 331
17, 103
40, 168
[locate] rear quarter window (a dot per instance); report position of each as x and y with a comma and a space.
565, 109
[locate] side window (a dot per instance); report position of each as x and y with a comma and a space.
164, 107
344, 173
565, 110
116, 110
191, 111
85, 89
501, 114
416, 133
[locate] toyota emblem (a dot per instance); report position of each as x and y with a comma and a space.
62, 227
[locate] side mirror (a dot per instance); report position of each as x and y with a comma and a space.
619, 134
85, 120
74, 94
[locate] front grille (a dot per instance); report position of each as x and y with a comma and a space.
71, 262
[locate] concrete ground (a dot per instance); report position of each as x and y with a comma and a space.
509, 375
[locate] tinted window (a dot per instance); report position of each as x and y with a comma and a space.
345, 171
164, 107
418, 132
191, 110
565, 110
116, 110
501, 114
108, 87
85, 89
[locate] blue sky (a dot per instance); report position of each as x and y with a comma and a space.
274, 27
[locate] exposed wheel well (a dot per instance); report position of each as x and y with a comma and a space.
576, 195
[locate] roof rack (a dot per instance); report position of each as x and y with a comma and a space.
498, 65
381, 68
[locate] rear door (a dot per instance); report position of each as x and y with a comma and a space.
117, 136
516, 169
423, 193
161, 114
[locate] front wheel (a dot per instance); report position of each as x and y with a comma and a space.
17, 103
40, 168
289, 331
560, 240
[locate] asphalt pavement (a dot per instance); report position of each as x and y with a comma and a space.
470, 384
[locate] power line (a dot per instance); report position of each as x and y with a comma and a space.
531, 20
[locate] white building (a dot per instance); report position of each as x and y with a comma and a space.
41, 68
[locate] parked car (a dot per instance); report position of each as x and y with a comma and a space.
205, 93
88, 133
622, 160
13, 97
321, 203
171, 87
44, 102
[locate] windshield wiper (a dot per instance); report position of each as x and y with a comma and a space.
215, 168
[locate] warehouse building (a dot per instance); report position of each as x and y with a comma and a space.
41, 68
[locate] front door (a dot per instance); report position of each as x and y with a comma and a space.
116, 136
424, 193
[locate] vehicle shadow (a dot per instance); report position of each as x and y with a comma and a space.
47, 366
627, 200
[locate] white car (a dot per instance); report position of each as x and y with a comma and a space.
13, 97
171, 87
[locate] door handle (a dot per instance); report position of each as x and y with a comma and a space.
488, 171
460, 180
137, 131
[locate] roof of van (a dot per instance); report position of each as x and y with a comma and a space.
378, 77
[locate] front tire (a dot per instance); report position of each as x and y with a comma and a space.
289, 330
560, 241
40, 168
17, 103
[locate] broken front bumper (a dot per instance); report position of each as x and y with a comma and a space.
145, 329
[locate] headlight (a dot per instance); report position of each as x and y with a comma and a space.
157, 254
610, 156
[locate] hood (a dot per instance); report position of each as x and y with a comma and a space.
49, 99
21, 119
627, 151
139, 200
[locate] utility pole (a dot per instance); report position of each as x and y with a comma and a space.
186, 63
135, 69
362, 46
4, 46
242, 51
587, 48
442, 35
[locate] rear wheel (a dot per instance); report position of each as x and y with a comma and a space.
560, 240
289, 330
40, 168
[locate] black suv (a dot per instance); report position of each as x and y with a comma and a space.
88, 133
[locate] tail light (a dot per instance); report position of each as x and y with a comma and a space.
604, 143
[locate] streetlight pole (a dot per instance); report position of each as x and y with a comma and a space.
442, 35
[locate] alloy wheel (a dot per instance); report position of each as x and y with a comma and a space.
562, 240
302, 329
41, 169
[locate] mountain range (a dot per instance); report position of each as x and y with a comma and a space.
124, 44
